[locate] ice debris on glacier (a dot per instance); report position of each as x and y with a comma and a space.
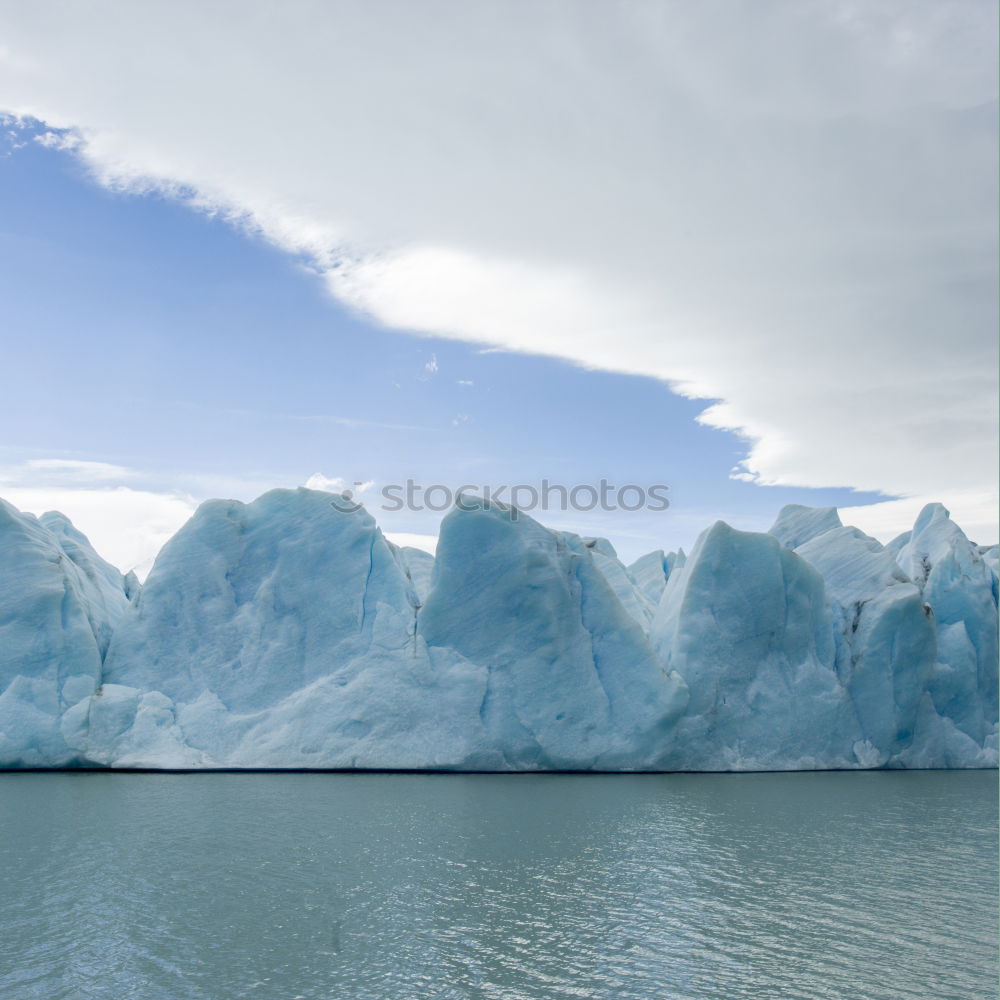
287, 634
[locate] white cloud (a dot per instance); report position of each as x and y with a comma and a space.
430, 369
317, 481
789, 208
126, 526
337, 484
886, 520
126, 521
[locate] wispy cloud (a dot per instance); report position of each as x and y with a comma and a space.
337, 484
64, 471
338, 420
429, 369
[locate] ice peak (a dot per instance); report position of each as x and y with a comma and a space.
796, 524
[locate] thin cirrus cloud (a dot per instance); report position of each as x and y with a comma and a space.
62, 470
786, 209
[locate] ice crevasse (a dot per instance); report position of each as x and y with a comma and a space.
286, 633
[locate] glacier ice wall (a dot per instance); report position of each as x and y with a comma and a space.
748, 626
571, 679
59, 603
286, 633
960, 708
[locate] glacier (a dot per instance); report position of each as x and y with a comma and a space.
749, 627
287, 633
59, 605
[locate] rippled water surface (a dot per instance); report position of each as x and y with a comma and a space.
218, 886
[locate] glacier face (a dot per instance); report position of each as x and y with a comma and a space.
286, 633
885, 634
59, 604
533, 607
748, 626
960, 708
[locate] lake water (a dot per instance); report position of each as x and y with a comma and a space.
216, 886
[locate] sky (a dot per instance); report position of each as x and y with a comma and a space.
745, 250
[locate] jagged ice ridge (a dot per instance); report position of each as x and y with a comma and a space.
286, 633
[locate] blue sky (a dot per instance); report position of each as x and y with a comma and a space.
146, 335
746, 249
